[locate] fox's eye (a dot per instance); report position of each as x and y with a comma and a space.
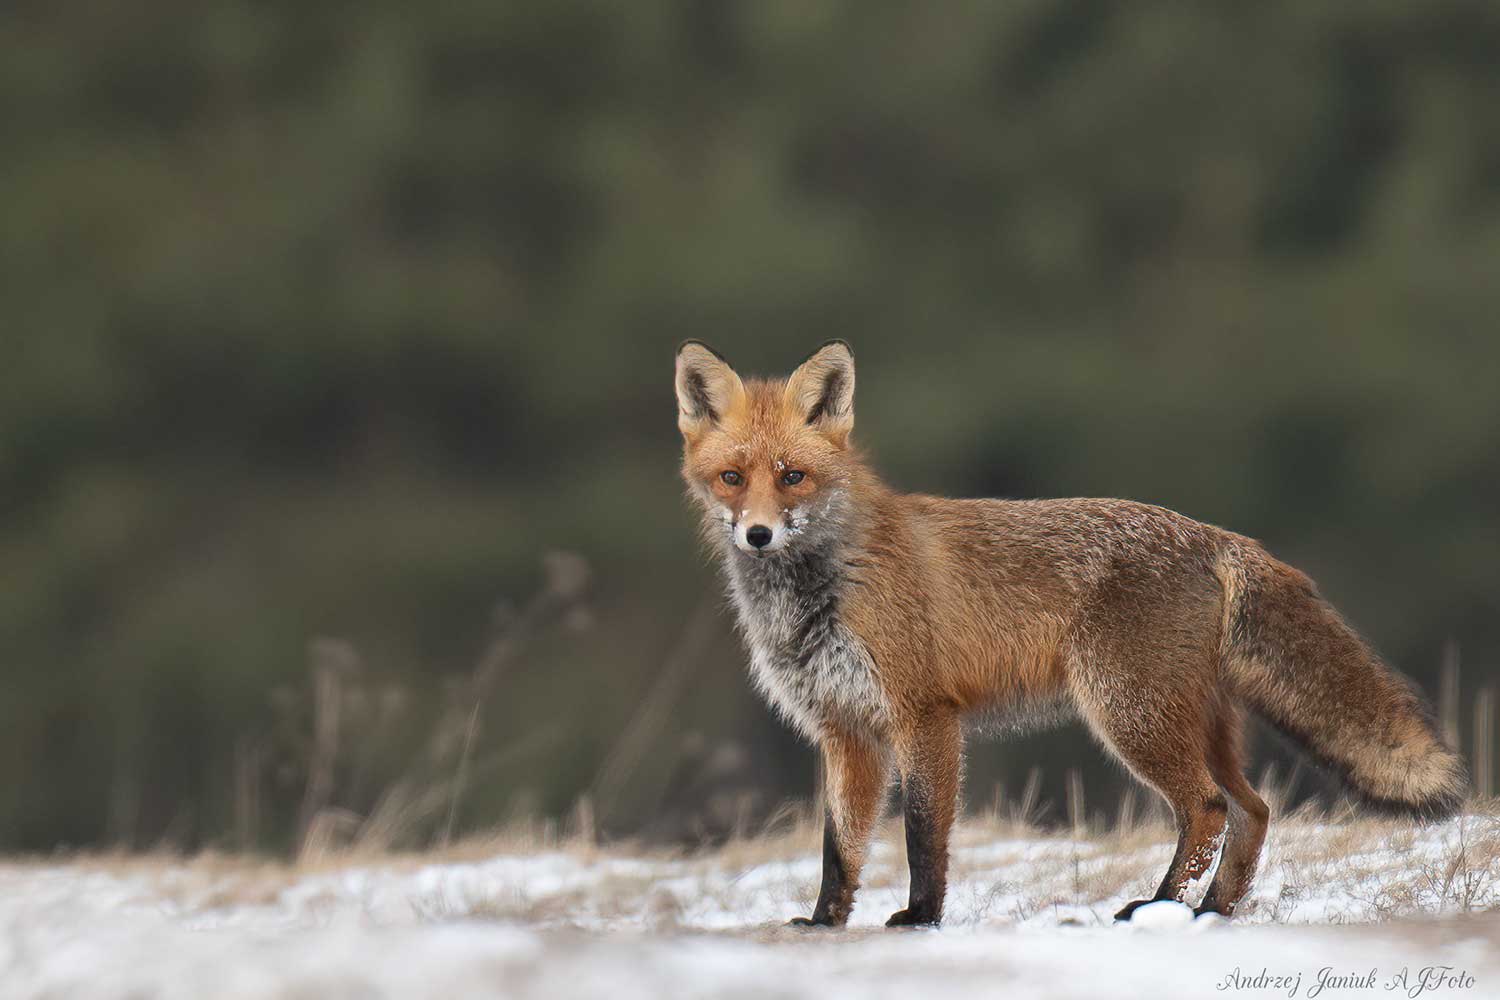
731, 478
792, 478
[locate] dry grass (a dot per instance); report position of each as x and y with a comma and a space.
1317, 868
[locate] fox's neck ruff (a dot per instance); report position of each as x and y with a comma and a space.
788, 599
806, 662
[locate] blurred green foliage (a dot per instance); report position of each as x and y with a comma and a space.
329, 319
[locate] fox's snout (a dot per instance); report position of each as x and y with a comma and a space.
757, 536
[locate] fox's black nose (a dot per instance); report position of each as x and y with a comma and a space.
758, 535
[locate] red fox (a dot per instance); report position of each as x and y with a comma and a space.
878, 622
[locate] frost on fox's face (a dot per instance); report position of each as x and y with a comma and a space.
767, 459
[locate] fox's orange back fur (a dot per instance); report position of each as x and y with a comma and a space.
878, 622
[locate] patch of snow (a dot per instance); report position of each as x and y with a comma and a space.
1025, 918
1163, 915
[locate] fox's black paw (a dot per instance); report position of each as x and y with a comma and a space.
1130, 908
909, 918
810, 922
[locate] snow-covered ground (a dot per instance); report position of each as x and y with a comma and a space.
1028, 916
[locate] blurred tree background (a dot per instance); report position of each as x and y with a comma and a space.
326, 322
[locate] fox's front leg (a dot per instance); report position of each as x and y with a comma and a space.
929, 755
855, 771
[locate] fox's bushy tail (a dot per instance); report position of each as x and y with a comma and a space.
1291, 657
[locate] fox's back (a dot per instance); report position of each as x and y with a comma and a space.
1051, 556
996, 590
1079, 540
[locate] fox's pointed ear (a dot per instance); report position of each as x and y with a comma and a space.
821, 390
706, 387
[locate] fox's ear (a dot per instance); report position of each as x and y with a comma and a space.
822, 391
706, 387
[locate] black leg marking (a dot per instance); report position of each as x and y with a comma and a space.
836, 897
928, 861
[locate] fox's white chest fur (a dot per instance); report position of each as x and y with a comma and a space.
806, 662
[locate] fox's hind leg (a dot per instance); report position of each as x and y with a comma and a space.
1200, 809
1158, 731
1248, 815
855, 772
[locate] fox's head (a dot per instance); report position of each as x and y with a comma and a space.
769, 460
